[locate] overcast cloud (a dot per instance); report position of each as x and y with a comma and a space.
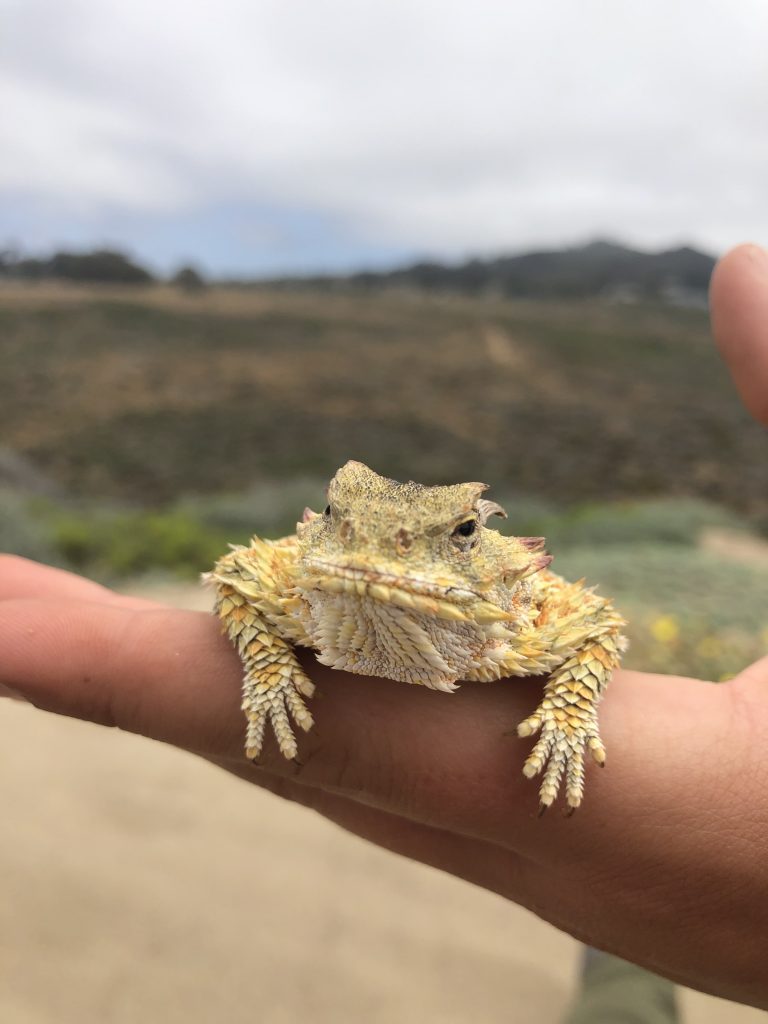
302, 134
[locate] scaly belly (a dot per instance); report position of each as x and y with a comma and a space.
370, 637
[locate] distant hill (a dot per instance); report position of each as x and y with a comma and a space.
600, 269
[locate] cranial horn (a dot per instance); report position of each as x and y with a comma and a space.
533, 543
489, 508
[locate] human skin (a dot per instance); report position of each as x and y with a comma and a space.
666, 864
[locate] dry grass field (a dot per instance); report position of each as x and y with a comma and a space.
147, 394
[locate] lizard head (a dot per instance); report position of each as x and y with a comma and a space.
420, 547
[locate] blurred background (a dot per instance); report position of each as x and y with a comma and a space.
241, 243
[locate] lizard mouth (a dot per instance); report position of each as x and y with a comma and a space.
436, 598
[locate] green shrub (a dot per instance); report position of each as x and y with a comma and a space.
23, 531
128, 543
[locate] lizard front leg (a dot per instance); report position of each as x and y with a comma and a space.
589, 629
567, 718
273, 680
274, 683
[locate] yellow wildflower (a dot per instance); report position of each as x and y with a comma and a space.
665, 629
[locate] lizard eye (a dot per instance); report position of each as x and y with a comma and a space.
465, 529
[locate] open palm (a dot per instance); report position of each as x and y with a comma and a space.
667, 863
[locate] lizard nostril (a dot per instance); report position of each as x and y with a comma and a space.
403, 541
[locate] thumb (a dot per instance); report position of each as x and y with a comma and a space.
739, 306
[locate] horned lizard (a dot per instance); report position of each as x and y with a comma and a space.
407, 582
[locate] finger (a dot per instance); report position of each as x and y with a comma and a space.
170, 675
20, 577
152, 670
445, 761
739, 304
452, 762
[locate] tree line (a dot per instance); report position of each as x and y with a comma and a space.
104, 266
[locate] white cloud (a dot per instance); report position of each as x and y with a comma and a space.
430, 125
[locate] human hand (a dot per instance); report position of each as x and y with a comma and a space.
667, 862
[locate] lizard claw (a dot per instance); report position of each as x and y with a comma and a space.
560, 751
277, 705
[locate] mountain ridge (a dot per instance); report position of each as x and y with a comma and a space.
599, 268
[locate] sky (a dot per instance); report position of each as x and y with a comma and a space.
256, 137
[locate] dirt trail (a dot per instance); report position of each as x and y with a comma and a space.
736, 547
